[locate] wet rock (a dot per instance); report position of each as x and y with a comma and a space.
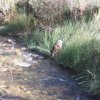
27, 56
29, 59
2, 28
11, 41
62, 80
23, 48
37, 56
7, 44
23, 64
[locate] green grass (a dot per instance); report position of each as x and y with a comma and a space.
19, 24
89, 80
14, 26
80, 52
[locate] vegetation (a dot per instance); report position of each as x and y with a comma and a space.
81, 47
81, 50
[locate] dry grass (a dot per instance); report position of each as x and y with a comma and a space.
49, 12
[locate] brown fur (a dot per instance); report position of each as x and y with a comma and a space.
56, 48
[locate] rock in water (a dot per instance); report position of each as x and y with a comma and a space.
23, 64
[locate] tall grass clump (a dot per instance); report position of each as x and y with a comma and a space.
80, 52
89, 80
20, 23
14, 26
46, 39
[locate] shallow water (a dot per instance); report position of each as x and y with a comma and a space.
29, 76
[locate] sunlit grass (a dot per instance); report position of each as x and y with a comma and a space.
81, 47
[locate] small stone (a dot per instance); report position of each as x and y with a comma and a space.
35, 62
62, 80
23, 48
